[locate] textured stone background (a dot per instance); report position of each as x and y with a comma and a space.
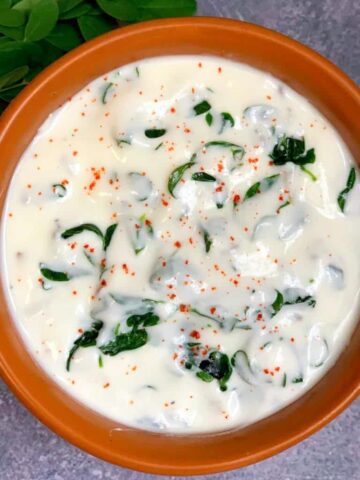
29, 451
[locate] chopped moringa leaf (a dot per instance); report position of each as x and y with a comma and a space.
202, 107
350, 182
86, 339
155, 132
202, 177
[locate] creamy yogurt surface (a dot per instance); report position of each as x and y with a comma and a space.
180, 245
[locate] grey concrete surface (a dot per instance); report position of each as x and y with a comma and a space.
29, 451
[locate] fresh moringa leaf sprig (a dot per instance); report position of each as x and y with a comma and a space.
34, 33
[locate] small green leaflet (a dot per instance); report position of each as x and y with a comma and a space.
90, 227
283, 205
64, 36
207, 241
106, 92
126, 141
148, 319
309, 172
350, 183
92, 26
155, 132
100, 362
241, 363
125, 341
287, 298
177, 174
108, 235
54, 275
290, 149
202, 107
42, 19
209, 119
277, 303
202, 177
86, 339
262, 186
297, 380
217, 366
11, 18
226, 120
237, 150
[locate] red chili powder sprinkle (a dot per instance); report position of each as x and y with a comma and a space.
195, 334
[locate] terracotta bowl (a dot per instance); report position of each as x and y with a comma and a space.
331, 91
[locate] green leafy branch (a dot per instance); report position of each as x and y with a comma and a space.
34, 33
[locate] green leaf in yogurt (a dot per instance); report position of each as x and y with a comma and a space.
155, 132
202, 107
84, 227
241, 363
54, 275
126, 141
148, 319
207, 240
226, 120
86, 339
124, 342
277, 303
177, 174
217, 366
262, 186
290, 149
104, 97
108, 235
237, 151
209, 119
202, 177
309, 172
350, 183
283, 205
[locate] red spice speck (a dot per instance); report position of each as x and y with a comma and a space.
103, 283
75, 152
177, 244
212, 310
236, 199
195, 334
183, 308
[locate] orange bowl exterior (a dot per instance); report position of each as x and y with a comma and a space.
331, 91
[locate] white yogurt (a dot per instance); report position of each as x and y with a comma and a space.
221, 292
